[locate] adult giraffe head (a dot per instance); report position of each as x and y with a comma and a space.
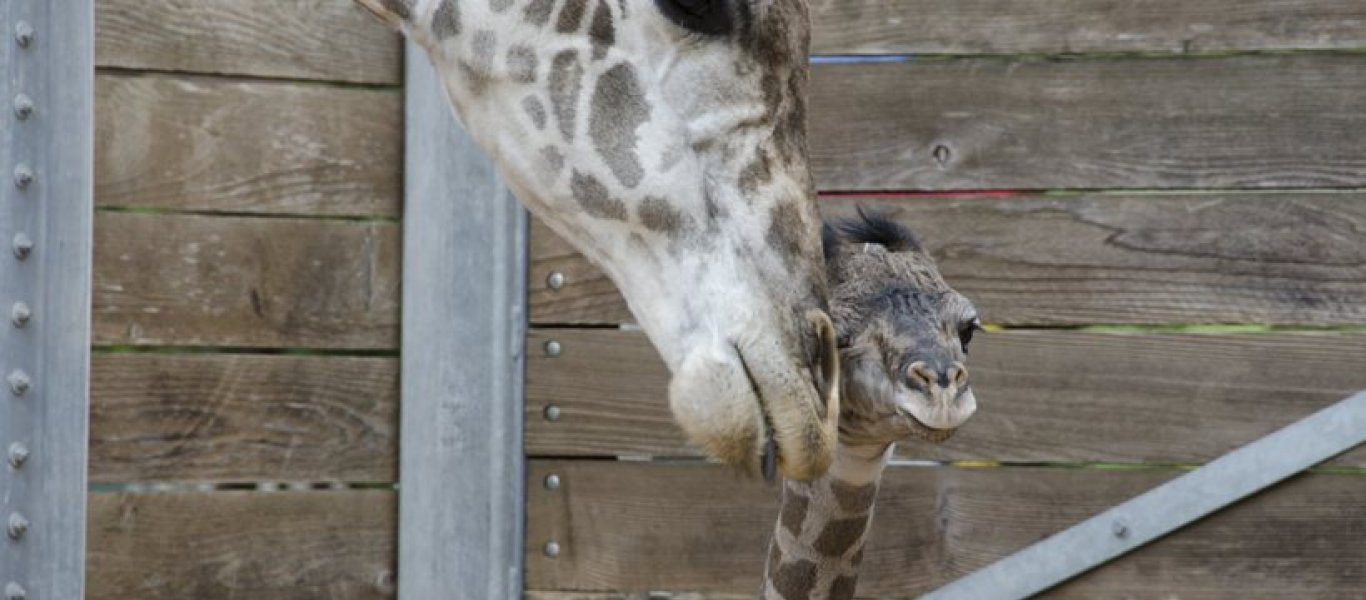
665, 140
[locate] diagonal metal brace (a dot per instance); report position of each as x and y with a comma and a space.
1168, 507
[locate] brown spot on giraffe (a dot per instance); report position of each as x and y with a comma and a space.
535, 110
596, 201
499, 5
785, 229
794, 510
843, 588
522, 63
553, 158
571, 14
446, 20
854, 498
795, 580
656, 214
618, 108
538, 12
840, 535
479, 68
601, 31
566, 82
757, 173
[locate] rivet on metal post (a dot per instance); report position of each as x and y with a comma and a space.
18, 455
23, 34
19, 382
1120, 529
553, 348
552, 413
18, 526
23, 246
552, 482
23, 106
552, 549
23, 176
555, 280
19, 314
14, 591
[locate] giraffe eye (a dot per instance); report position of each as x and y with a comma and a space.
965, 331
708, 17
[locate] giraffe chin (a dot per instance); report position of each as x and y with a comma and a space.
739, 407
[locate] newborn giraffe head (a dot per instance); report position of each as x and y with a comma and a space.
665, 140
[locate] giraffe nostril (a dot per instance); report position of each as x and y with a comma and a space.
959, 374
920, 376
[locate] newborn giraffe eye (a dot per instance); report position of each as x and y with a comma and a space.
707, 17
966, 330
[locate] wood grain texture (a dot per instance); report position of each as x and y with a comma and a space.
636, 527
1042, 396
239, 417
265, 546
1025, 123
213, 145
333, 40
1096, 258
219, 281
1065, 26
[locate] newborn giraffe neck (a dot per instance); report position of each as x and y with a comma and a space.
818, 541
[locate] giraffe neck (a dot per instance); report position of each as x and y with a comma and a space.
818, 541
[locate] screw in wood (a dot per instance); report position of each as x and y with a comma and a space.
23, 106
14, 591
552, 413
18, 526
555, 280
23, 176
942, 154
19, 314
18, 455
553, 348
19, 382
552, 482
23, 34
23, 246
1120, 529
552, 548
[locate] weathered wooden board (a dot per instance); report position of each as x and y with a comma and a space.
1095, 258
334, 40
1043, 396
228, 281
1029, 123
243, 417
214, 145
636, 526
331, 545
1061, 26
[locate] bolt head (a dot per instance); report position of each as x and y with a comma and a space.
23, 246
555, 280
23, 106
1120, 529
18, 455
19, 314
23, 34
553, 348
18, 526
14, 591
552, 413
552, 482
19, 382
23, 176
552, 549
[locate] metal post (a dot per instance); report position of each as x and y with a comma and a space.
46, 205
464, 286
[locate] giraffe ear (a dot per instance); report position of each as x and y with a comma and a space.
394, 13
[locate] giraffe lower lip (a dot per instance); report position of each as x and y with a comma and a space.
768, 462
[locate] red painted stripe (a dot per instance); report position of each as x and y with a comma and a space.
927, 194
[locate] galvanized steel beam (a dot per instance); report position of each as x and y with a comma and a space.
47, 77
464, 287
1168, 507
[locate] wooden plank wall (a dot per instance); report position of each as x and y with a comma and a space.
1143, 167
249, 187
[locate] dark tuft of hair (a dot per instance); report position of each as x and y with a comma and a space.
872, 227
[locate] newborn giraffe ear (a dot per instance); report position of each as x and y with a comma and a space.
394, 13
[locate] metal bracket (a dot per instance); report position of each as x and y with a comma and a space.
1167, 507
47, 74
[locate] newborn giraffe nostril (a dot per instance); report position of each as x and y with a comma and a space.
920, 376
